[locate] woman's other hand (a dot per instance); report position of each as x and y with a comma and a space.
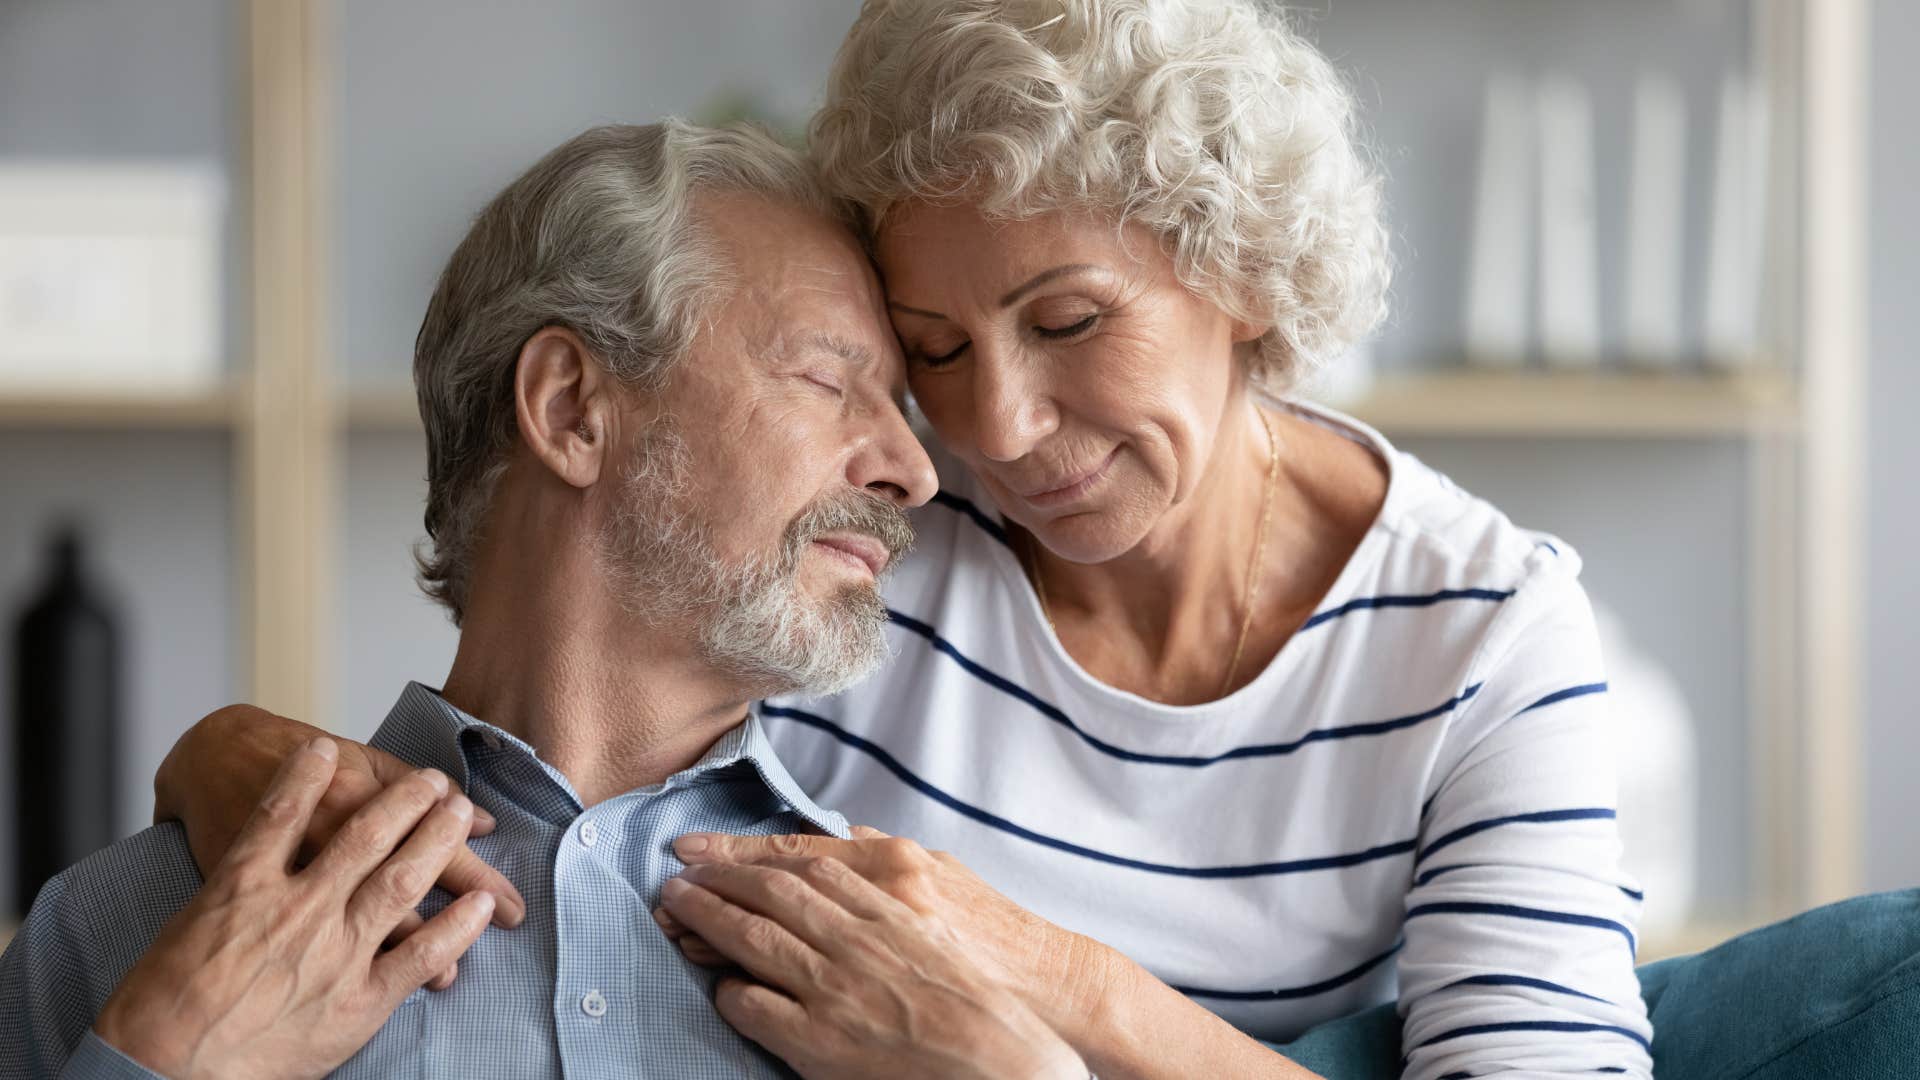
214, 776
275, 972
845, 980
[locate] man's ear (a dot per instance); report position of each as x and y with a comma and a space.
566, 405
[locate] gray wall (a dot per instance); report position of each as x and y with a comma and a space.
126, 79
1893, 441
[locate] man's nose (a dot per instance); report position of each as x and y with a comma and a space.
892, 464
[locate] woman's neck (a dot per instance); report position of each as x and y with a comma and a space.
1165, 619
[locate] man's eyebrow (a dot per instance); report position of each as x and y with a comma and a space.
852, 352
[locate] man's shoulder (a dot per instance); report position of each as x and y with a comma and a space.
102, 912
88, 926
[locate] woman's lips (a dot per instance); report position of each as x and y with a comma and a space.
1057, 493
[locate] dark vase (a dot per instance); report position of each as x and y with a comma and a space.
66, 715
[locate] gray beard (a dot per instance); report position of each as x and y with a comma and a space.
753, 620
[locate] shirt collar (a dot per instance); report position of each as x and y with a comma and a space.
425, 730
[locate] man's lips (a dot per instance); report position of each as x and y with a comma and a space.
1057, 490
866, 550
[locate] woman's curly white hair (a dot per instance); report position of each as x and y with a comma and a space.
1210, 122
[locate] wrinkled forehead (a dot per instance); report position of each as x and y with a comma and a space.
797, 274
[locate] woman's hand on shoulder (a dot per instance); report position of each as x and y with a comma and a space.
218, 771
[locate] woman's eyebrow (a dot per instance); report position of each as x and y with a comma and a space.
1011, 298
1042, 278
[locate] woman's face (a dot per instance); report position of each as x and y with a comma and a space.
1062, 360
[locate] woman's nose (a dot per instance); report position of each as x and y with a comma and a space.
1012, 410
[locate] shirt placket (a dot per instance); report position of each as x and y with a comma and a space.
595, 1006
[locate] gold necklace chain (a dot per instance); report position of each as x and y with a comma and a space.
1253, 566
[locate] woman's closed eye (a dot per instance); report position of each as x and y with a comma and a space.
1072, 330
932, 359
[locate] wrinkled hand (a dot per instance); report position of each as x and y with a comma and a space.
848, 981
1056, 973
275, 972
213, 777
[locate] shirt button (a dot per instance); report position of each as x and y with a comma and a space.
593, 1004
589, 833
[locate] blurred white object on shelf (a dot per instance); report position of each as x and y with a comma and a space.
110, 275
1500, 265
1658, 763
1569, 236
1736, 248
1656, 229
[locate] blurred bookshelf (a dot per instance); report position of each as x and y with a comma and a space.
211, 408
1540, 403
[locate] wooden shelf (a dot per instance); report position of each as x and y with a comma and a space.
1451, 402
214, 407
1464, 402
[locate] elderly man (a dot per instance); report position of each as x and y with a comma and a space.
667, 467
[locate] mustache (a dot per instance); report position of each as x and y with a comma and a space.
851, 510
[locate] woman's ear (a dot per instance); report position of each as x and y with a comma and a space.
1246, 330
564, 403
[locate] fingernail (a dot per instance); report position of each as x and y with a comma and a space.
435, 779
482, 905
673, 887
324, 747
459, 804
481, 817
507, 914
691, 844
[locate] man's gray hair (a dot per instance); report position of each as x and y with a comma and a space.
601, 238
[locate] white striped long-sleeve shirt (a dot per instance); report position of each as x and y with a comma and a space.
1415, 800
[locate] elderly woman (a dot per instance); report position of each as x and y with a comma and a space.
1251, 719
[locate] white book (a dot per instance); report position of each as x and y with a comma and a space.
1500, 259
1569, 244
110, 274
1656, 223
1736, 247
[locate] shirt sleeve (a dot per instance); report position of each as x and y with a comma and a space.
88, 927
97, 1060
1520, 925
47, 996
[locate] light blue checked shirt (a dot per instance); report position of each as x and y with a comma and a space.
587, 986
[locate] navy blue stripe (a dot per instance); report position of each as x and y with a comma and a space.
1551, 699
893, 765
1367, 603
1428, 875
1462, 907
1634, 894
964, 506
1571, 1026
1593, 813
1294, 992
1054, 713
1522, 980
1562, 695
1458, 1076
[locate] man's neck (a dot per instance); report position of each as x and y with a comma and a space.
613, 704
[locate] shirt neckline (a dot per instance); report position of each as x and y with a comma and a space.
428, 731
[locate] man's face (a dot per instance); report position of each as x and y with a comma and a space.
766, 504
